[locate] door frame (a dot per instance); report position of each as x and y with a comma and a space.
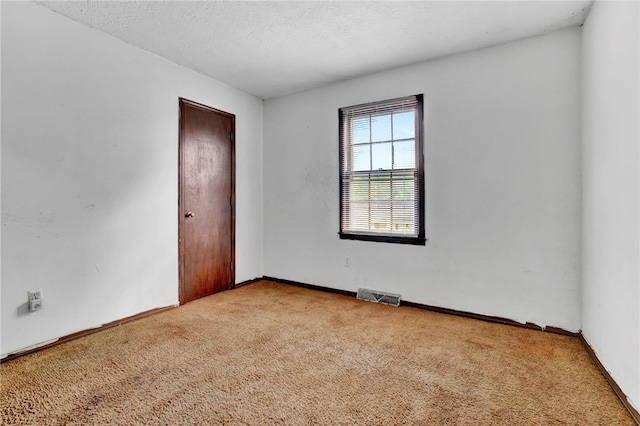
187, 102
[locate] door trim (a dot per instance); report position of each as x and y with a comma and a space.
187, 102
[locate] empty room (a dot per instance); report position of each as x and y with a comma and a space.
320, 212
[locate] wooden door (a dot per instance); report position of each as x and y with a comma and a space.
206, 201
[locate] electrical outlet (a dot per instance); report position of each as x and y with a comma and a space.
347, 262
35, 300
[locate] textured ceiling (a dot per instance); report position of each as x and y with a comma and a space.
271, 48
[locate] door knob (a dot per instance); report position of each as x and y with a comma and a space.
189, 214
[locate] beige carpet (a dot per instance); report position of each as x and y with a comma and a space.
275, 354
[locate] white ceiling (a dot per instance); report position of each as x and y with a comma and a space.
272, 48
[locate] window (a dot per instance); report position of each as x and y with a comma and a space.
381, 171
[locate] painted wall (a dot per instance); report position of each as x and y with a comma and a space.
90, 173
611, 191
502, 158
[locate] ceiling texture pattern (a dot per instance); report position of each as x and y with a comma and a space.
273, 48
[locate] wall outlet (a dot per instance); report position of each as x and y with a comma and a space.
347, 262
35, 300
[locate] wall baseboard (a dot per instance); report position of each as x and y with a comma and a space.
616, 389
83, 333
488, 318
311, 286
438, 309
243, 283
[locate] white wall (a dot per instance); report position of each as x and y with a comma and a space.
611, 191
90, 173
502, 184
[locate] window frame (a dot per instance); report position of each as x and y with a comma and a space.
420, 239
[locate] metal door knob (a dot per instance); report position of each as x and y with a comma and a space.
189, 214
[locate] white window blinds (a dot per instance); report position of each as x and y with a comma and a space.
381, 169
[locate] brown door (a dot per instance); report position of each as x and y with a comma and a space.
206, 201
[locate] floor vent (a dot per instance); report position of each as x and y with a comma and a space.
378, 297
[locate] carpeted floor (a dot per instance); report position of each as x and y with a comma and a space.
270, 354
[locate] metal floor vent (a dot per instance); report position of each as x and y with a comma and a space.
378, 297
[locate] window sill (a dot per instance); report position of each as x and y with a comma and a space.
416, 241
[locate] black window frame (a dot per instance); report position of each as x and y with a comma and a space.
375, 236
